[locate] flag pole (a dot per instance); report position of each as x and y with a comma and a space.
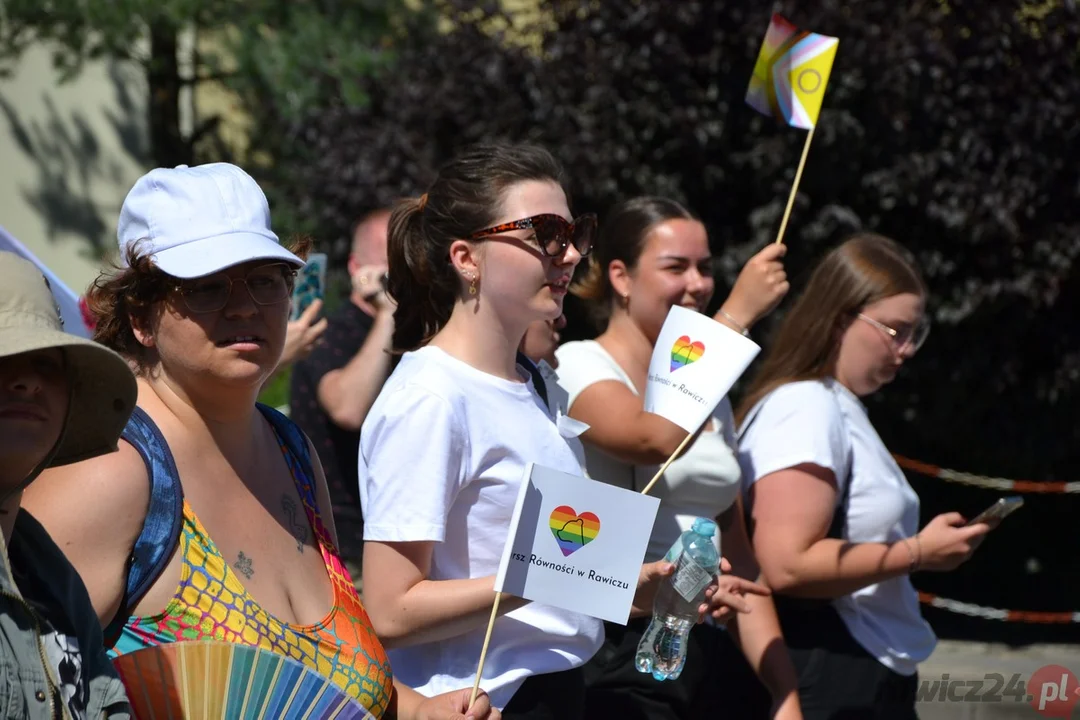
795, 185
678, 451
484, 649
664, 467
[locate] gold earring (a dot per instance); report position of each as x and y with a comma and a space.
472, 284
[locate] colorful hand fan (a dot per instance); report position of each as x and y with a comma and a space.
207, 680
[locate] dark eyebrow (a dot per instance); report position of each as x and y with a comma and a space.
683, 258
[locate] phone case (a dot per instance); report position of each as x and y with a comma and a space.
999, 510
310, 284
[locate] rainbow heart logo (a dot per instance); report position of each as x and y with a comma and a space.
573, 531
686, 351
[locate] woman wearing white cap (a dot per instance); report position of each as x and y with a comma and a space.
219, 503
62, 399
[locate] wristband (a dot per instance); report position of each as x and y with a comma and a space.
914, 560
733, 321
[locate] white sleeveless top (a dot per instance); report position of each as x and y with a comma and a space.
704, 482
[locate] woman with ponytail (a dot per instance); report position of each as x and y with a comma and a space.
488, 250
652, 254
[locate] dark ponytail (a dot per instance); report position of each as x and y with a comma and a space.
622, 237
424, 295
464, 198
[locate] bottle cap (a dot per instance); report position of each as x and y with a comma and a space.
704, 526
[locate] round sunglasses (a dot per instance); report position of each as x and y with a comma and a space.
553, 233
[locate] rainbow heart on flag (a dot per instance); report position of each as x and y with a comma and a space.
685, 351
573, 531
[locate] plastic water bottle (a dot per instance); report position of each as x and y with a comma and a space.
662, 650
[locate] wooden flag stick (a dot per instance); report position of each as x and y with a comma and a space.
795, 185
483, 650
664, 467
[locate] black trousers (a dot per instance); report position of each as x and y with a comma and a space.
553, 696
716, 682
838, 679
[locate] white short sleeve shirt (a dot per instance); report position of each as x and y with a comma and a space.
442, 454
823, 423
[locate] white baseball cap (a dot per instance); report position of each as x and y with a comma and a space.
194, 221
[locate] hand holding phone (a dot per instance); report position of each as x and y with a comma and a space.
946, 542
309, 285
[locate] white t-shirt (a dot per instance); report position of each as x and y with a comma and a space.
824, 423
703, 482
442, 453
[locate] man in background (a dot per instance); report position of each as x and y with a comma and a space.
334, 387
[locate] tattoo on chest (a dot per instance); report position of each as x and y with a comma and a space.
297, 526
243, 565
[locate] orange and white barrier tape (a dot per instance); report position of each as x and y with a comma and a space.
985, 482
1002, 485
989, 613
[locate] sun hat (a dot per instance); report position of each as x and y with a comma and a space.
194, 221
102, 386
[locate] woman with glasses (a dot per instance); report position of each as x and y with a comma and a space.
834, 522
488, 250
213, 521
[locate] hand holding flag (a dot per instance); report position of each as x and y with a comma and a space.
574, 543
695, 362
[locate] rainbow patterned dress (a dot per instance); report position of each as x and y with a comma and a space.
211, 603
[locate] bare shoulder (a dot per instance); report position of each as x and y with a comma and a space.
110, 492
94, 510
606, 401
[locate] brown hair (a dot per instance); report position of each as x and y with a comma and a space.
622, 237
862, 270
123, 299
464, 198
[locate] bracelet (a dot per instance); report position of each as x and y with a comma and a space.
733, 321
914, 561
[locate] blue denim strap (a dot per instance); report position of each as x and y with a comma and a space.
161, 529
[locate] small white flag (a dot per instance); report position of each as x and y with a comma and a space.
576, 543
695, 362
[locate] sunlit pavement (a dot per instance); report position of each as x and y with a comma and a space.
979, 663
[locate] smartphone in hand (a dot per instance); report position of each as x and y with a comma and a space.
999, 511
310, 284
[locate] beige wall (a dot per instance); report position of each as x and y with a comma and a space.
70, 152
68, 155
